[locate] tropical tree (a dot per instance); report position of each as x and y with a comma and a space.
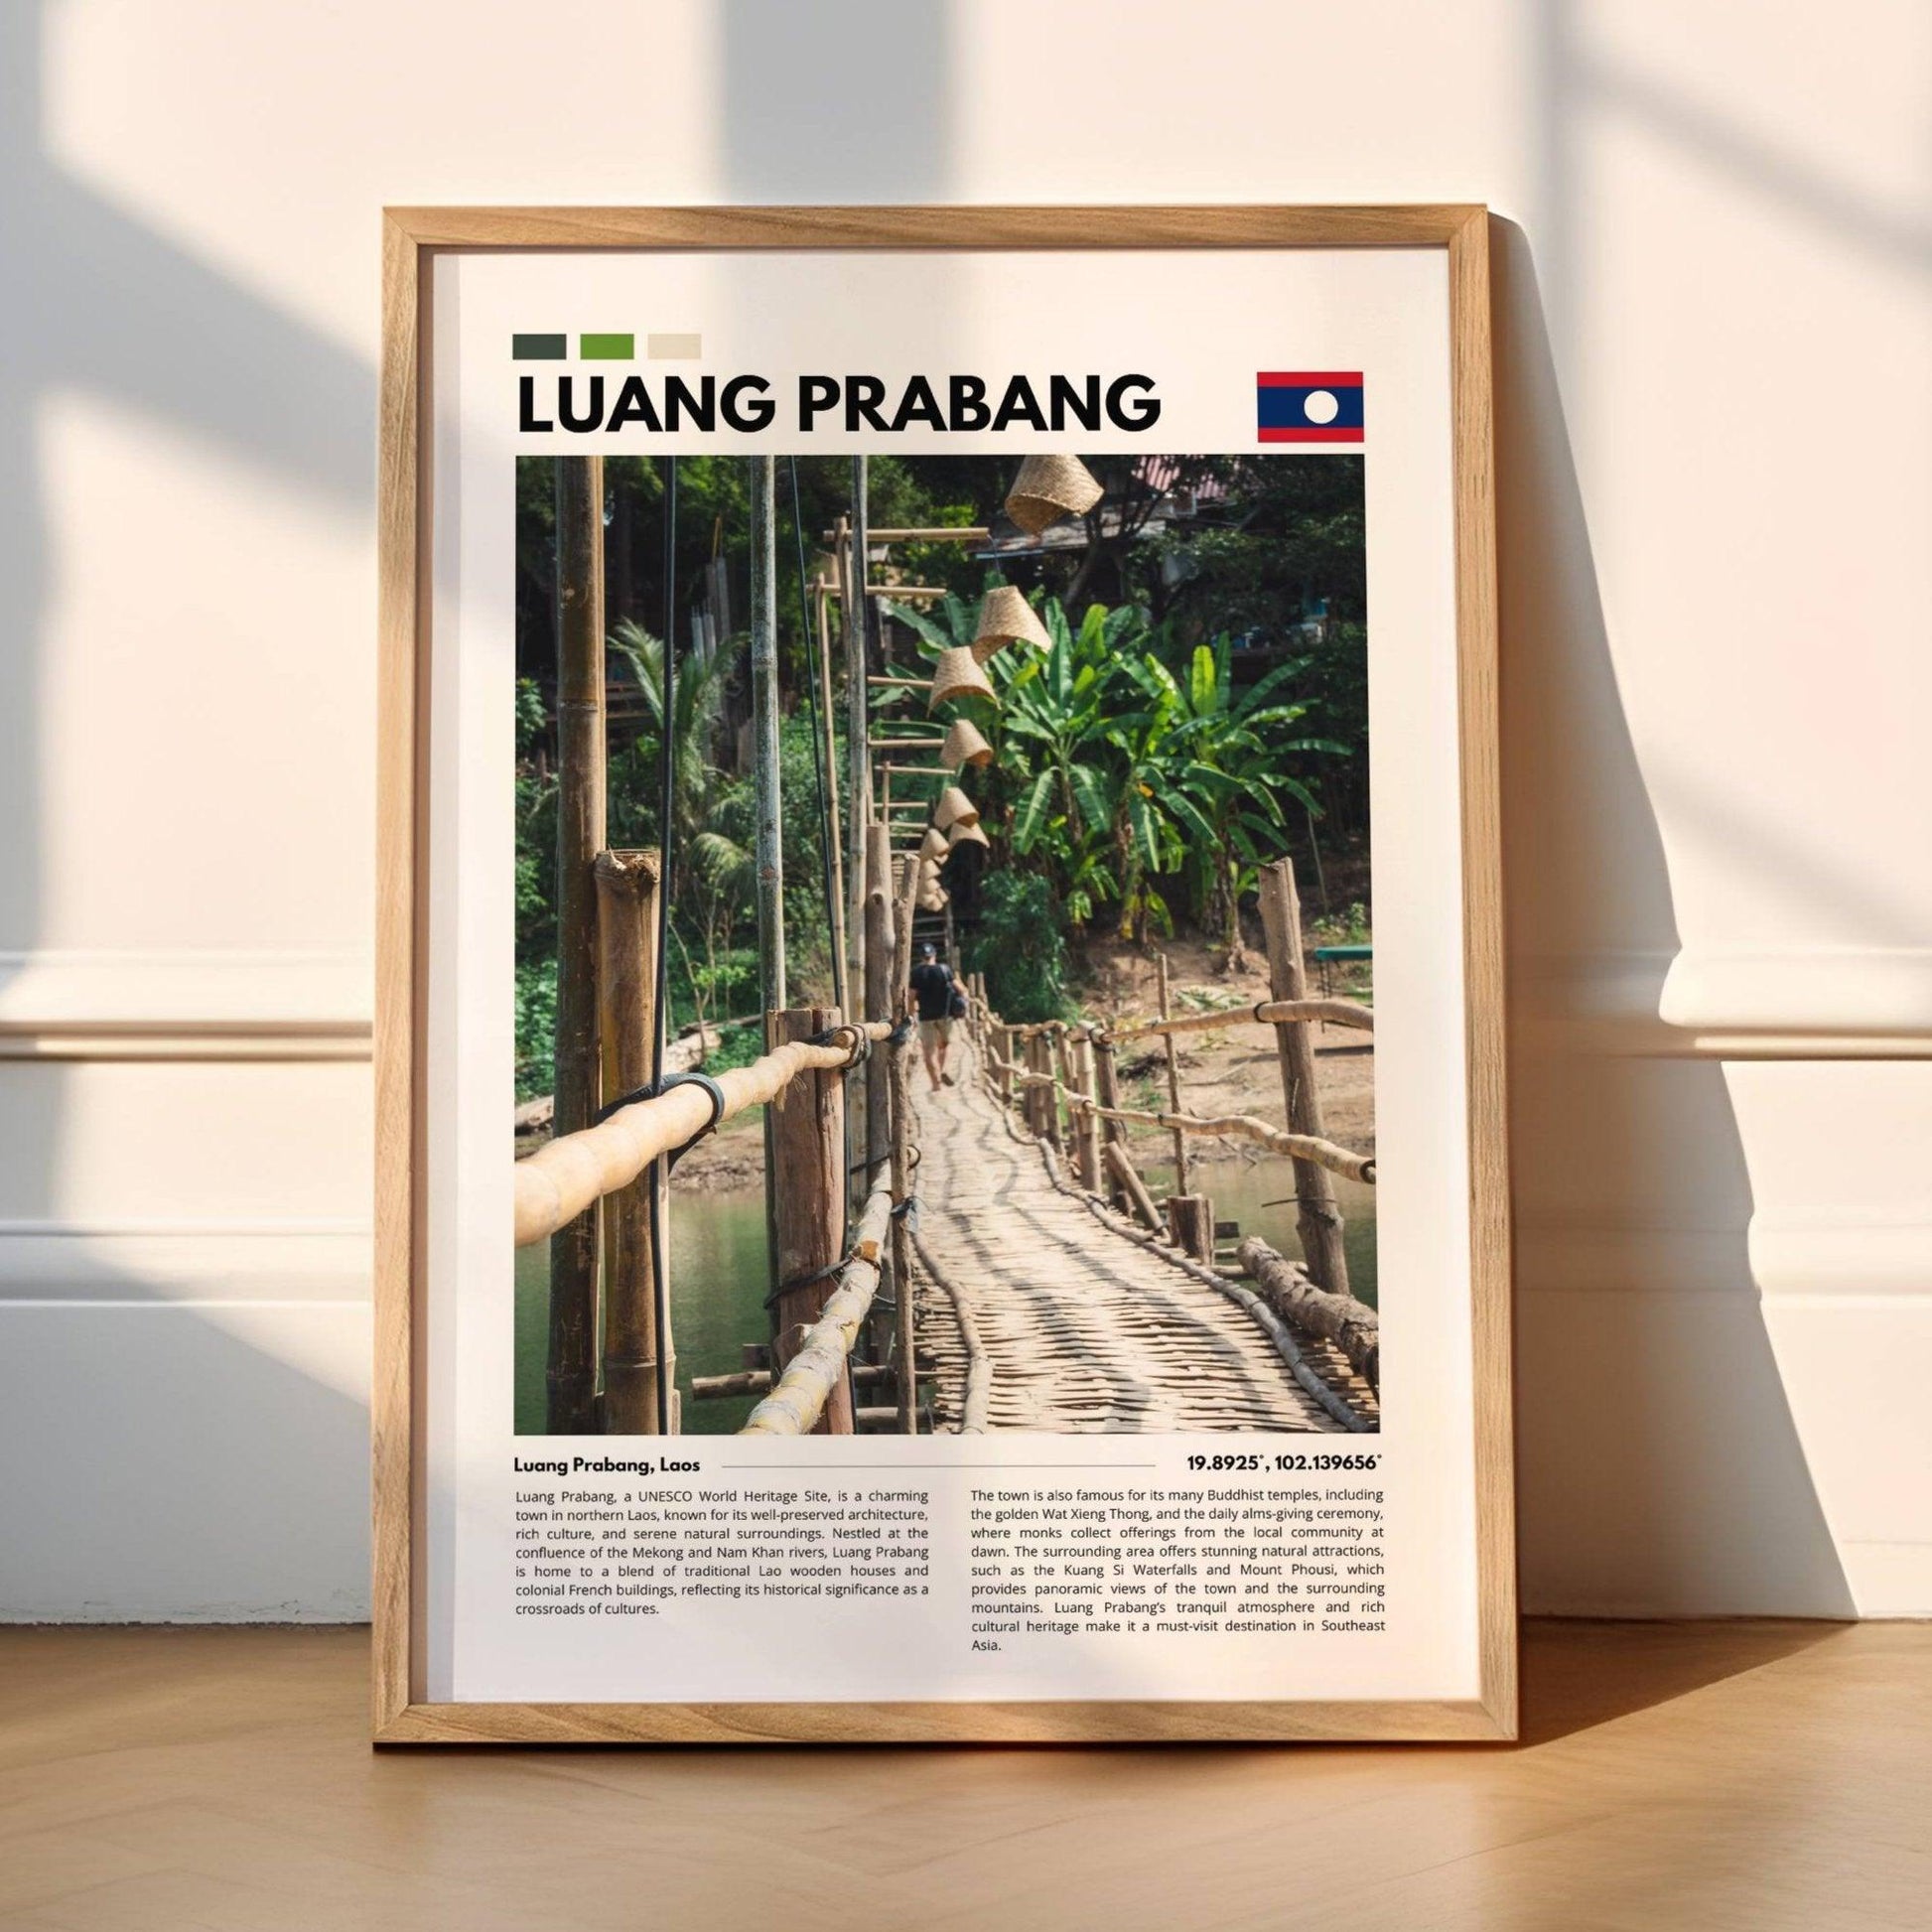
1222, 767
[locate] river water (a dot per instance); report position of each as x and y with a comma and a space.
718, 1275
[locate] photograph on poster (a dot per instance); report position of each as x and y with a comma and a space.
1116, 721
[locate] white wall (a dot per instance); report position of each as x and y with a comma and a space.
1716, 383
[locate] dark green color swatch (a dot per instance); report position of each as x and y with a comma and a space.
538, 349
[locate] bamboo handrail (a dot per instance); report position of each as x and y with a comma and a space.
756, 1381
1353, 1326
1337, 1012
1297, 1146
561, 1179
954, 534
795, 1405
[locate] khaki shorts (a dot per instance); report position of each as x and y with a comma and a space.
935, 1033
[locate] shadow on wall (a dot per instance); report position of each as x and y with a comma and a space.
239, 1490
849, 100
1660, 1470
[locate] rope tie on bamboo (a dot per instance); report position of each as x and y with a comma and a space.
825, 1274
909, 1211
849, 1034
652, 1090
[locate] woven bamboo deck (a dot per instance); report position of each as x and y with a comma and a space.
1084, 1331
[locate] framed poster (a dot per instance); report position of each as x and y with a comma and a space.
940, 970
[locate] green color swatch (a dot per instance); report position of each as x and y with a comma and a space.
608, 349
538, 349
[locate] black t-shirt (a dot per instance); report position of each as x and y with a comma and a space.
933, 987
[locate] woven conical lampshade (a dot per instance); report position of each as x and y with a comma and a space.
933, 899
933, 846
1049, 488
1005, 617
955, 808
964, 834
964, 746
957, 675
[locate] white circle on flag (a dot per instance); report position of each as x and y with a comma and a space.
1320, 406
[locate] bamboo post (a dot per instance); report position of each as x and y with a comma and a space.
626, 930
571, 1370
1057, 1066
807, 1134
1318, 1219
880, 948
1106, 1091
764, 735
1121, 1164
858, 751
1174, 1086
1086, 1126
909, 893
899, 1067
822, 615
1003, 1045
1190, 1225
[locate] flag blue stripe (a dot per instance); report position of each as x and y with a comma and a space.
1283, 408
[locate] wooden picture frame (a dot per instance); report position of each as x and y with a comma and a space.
412, 238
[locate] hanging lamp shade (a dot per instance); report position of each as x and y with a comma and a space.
964, 834
964, 746
957, 675
1049, 488
933, 897
1005, 617
955, 808
933, 846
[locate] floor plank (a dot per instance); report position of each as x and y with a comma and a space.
1749, 1776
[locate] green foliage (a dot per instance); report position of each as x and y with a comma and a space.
1201, 705
536, 1026
1021, 948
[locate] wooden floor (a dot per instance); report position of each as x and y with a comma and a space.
1086, 1332
1724, 1777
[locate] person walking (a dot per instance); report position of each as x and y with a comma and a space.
941, 1001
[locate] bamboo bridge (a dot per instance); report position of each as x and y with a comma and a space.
1009, 1268
988, 1257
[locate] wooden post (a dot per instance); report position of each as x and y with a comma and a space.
634, 1330
764, 735
821, 604
807, 1131
1086, 1124
1190, 1226
900, 1069
571, 1372
1003, 1045
1318, 1220
880, 948
1106, 1089
1174, 1087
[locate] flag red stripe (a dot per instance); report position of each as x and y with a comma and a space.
1310, 435
1310, 379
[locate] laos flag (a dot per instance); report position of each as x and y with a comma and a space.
1309, 406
